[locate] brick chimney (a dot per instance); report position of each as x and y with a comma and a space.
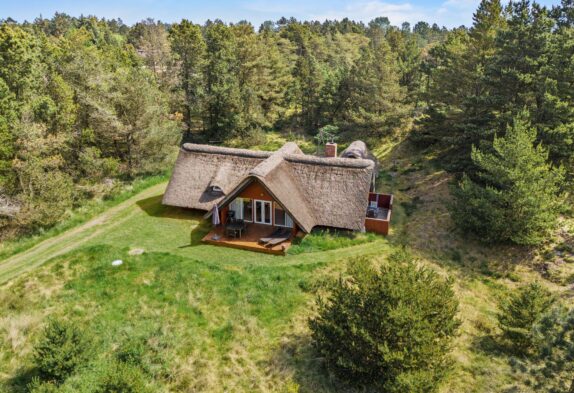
331, 149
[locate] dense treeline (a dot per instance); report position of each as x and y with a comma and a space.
295, 76
76, 107
84, 101
511, 72
512, 59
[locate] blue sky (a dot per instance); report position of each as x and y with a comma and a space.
449, 13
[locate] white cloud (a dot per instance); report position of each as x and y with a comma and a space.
366, 11
450, 13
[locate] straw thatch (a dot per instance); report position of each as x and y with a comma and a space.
357, 149
315, 191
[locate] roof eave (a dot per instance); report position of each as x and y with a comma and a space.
240, 188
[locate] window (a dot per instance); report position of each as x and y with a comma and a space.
215, 190
237, 207
263, 212
243, 208
247, 209
282, 219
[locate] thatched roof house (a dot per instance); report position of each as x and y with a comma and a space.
284, 188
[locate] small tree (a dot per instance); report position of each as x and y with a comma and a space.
391, 327
552, 368
62, 349
517, 195
122, 378
520, 311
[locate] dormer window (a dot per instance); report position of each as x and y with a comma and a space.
215, 190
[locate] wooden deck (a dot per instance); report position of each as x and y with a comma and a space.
248, 241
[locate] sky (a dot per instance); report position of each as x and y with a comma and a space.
449, 13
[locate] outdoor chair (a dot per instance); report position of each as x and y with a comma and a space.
279, 235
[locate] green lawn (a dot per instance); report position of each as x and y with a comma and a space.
212, 318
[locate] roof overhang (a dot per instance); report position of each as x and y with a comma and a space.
242, 186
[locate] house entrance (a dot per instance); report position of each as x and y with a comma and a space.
263, 212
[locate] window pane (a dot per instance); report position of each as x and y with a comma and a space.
235, 207
258, 212
247, 209
268, 213
279, 216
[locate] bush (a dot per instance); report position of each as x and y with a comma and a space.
391, 327
132, 351
62, 349
552, 368
520, 311
122, 378
37, 386
324, 240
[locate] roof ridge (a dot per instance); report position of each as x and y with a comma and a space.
330, 161
275, 159
209, 149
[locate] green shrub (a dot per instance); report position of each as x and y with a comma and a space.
520, 311
37, 386
132, 351
62, 349
324, 240
122, 378
391, 327
551, 369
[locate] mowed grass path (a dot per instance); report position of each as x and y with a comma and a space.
212, 318
66, 241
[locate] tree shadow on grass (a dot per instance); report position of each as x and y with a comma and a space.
153, 207
297, 358
19, 382
197, 233
492, 345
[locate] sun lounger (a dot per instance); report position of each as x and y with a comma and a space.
274, 234
277, 237
278, 240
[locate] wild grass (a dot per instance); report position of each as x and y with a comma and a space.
80, 215
327, 239
272, 141
212, 319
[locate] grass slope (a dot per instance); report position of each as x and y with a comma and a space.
213, 318
216, 319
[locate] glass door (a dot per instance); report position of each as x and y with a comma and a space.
263, 212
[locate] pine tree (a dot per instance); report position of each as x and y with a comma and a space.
460, 112
516, 195
8, 118
555, 116
250, 66
375, 98
275, 78
520, 311
18, 58
188, 44
391, 327
515, 74
552, 367
222, 112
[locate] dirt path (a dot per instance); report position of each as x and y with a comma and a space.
71, 239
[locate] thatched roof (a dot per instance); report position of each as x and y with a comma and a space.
357, 149
315, 191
